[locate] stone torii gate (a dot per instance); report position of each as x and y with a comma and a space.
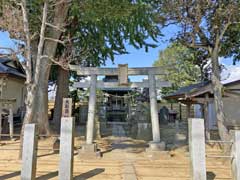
122, 72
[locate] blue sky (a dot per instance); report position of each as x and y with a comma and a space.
5, 40
135, 58
140, 58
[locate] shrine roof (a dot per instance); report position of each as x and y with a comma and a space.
11, 67
190, 90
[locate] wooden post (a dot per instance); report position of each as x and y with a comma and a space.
10, 121
29, 155
236, 156
188, 110
180, 111
66, 148
91, 110
197, 148
206, 117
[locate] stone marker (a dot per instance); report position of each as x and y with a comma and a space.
164, 115
236, 156
197, 148
66, 112
29, 154
67, 107
66, 148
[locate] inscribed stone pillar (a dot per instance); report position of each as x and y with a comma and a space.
67, 107
154, 109
91, 109
197, 148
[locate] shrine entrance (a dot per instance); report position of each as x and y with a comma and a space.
117, 107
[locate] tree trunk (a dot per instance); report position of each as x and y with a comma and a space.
30, 109
37, 110
62, 92
41, 114
218, 101
41, 103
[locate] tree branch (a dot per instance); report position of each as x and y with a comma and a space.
55, 27
55, 40
41, 41
28, 42
56, 62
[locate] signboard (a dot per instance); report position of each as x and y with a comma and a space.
67, 107
123, 74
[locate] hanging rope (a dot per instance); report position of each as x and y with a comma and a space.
120, 97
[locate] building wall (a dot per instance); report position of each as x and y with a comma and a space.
15, 89
232, 108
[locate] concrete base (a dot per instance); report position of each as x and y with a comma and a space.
159, 146
88, 151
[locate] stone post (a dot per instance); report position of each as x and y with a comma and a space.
154, 145
197, 148
154, 109
10, 121
236, 156
66, 148
29, 154
91, 110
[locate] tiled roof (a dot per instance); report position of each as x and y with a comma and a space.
6, 69
187, 89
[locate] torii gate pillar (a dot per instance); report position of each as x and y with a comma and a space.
155, 144
154, 111
91, 109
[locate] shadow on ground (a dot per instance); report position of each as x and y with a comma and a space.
82, 176
48, 176
89, 174
10, 175
210, 175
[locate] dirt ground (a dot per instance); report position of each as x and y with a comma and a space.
119, 154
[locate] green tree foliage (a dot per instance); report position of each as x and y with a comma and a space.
101, 28
182, 70
232, 43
